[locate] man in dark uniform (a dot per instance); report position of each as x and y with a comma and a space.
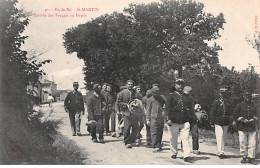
221, 117
74, 105
178, 113
245, 114
130, 120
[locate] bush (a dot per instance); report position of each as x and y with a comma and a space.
47, 145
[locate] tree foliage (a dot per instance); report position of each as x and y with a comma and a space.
255, 42
17, 71
145, 41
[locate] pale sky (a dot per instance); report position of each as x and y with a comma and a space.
45, 33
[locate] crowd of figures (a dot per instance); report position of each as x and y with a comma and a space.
178, 111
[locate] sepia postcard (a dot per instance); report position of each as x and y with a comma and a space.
130, 82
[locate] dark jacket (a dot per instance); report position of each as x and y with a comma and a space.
154, 109
74, 102
94, 105
107, 101
245, 111
144, 100
220, 113
178, 108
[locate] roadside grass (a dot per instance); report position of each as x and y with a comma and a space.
49, 146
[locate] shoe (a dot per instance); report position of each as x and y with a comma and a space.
244, 160
138, 140
221, 156
188, 159
251, 160
74, 134
148, 144
108, 133
128, 146
135, 144
94, 140
114, 134
197, 152
79, 134
101, 140
174, 156
157, 149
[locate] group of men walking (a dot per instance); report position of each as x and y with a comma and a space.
153, 110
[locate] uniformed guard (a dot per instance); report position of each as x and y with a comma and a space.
245, 114
221, 117
178, 113
74, 105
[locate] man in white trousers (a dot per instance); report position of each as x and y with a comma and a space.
221, 117
245, 114
178, 114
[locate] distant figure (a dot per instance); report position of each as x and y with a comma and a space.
74, 105
107, 107
50, 99
112, 99
245, 114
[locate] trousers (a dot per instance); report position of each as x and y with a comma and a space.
195, 136
120, 130
247, 141
130, 129
140, 125
113, 121
106, 119
75, 121
157, 125
181, 130
148, 133
221, 134
97, 129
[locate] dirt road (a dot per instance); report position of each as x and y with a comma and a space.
113, 151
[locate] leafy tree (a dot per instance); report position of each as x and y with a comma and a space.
145, 42
255, 42
16, 73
